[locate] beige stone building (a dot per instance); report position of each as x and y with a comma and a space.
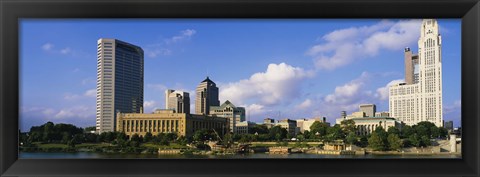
368, 109
420, 97
366, 125
305, 124
167, 121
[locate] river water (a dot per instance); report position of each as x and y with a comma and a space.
95, 155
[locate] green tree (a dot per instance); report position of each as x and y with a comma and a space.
161, 139
148, 137
382, 134
66, 137
278, 133
135, 140
227, 139
375, 142
351, 138
394, 142
348, 126
182, 140
363, 142
334, 133
443, 132
48, 130
320, 128
135, 137
407, 131
393, 130
202, 135
89, 129
415, 140
260, 129
300, 137
435, 132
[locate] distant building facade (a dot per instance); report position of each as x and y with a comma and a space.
366, 125
368, 109
206, 96
420, 99
269, 122
244, 127
305, 124
382, 114
178, 101
229, 111
290, 125
449, 125
119, 82
167, 121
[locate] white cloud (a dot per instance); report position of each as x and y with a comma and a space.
76, 112
342, 47
184, 35
149, 104
304, 105
164, 48
455, 106
345, 97
91, 93
154, 52
157, 87
254, 109
279, 83
382, 92
65, 51
88, 81
69, 96
348, 92
47, 46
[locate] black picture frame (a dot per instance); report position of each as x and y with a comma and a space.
13, 10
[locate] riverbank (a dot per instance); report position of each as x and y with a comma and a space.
96, 155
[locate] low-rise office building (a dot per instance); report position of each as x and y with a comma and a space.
167, 121
244, 127
305, 124
269, 122
290, 125
231, 112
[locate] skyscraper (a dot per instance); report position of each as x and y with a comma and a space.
119, 81
416, 101
178, 101
412, 69
206, 96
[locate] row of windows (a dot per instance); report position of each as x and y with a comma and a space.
151, 125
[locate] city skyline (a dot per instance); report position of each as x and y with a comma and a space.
294, 69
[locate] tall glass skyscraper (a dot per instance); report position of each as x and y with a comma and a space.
119, 81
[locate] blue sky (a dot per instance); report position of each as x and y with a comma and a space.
275, 68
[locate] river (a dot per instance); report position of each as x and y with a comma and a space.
95, 155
